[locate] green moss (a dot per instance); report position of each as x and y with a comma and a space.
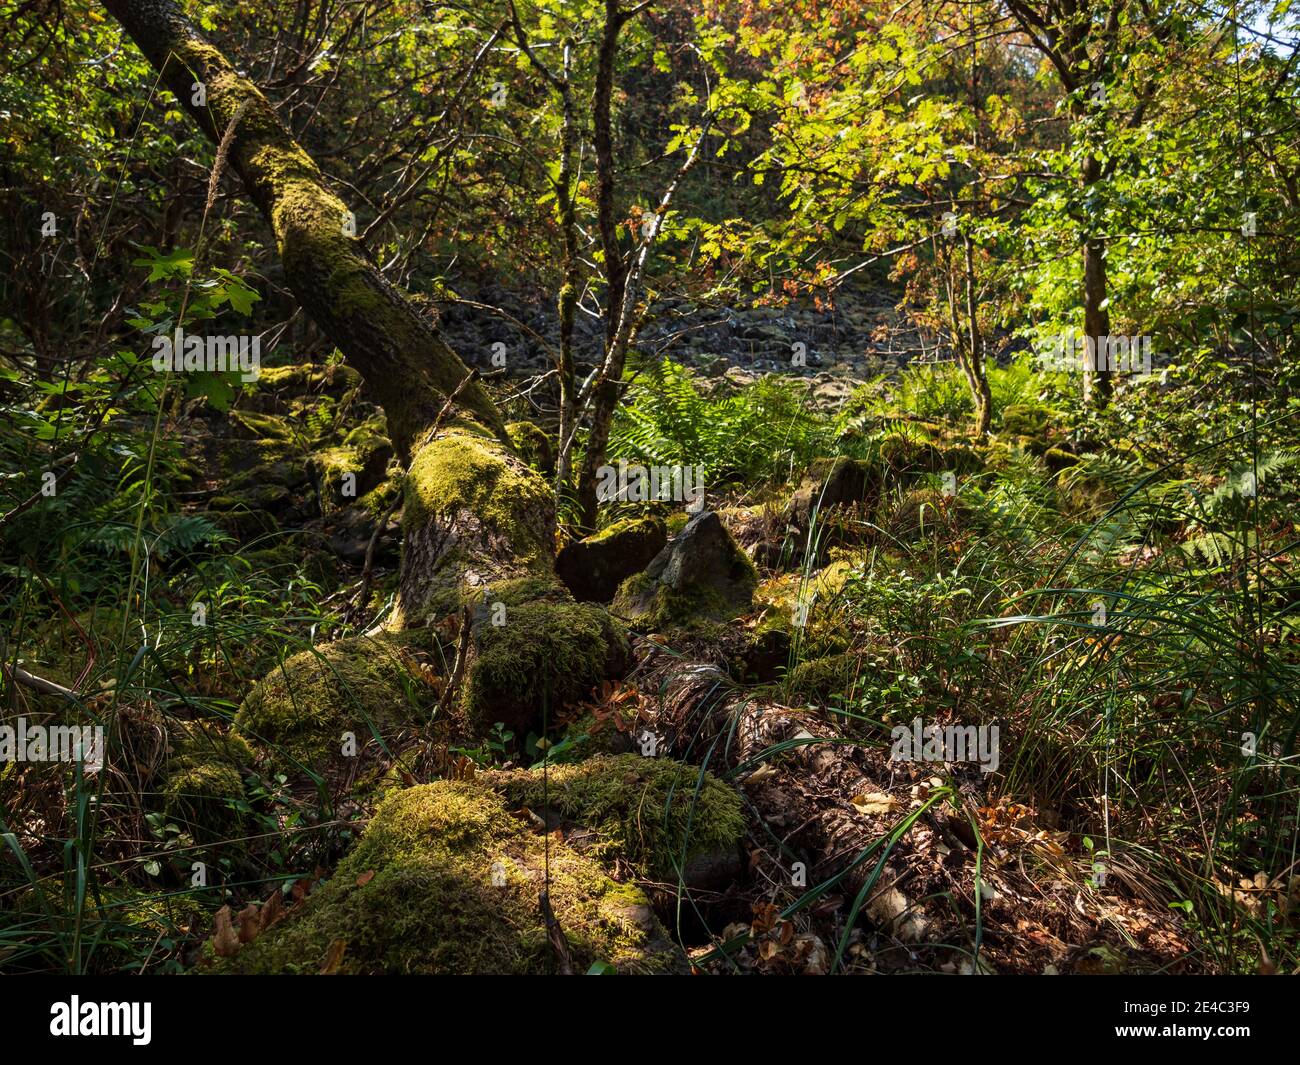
533, 446
307, 377
522, 590
259, 424
446, 881
475, 517
203, 777
462, 472
545, 655
693, 608
1024, 420
654, 813
365, 686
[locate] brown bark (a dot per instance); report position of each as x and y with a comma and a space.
605, 395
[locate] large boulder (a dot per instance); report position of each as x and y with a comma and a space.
372, 687
594, 568
446, 880
662, 817
702, 575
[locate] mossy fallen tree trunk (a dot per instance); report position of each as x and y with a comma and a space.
479, 543
479, 524
409, 369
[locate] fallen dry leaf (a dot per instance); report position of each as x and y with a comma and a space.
272, 909
874, 803
224, 940
334, 958
250, 923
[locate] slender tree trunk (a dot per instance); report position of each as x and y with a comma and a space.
1098, 381
567, 193
615, 265
976, 373
606, 393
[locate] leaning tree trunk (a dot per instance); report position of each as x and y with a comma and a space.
479, 525
406, 365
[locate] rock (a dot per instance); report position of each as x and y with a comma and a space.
1025, 420
653, 813
446, 880
203, 781
702, 575
543, 657
833, 483
594, 568
367, 686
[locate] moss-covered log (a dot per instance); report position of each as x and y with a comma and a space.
479, 523
409, 369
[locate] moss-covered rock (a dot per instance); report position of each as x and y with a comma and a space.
203, 779
594, 568
1021, 419
364, 453
533, 446
544, 655
299, 378
701, 576
657, 814
446, 881
370, 687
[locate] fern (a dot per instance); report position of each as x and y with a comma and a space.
755, 434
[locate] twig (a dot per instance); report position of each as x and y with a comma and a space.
555, 934
358, 607
462, 655
40, 684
